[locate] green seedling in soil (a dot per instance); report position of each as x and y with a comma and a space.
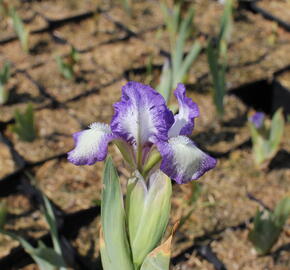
51, 220
3, 214
268, 226
24, 125
266, 136
149, 70
4, 77
21, 31
217, 57
45, 257
66, 65
127, 5
179, 30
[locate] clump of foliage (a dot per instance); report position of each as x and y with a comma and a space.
268, 226
180, 30
21, 31
4, 77
217, 57
266, 136
45, 257
67, 64
24, 125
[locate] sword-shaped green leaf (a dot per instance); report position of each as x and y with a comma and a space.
4, 77
165, 85
3, 214
115, 252
276, 132
46, 258
20, 29
282, 211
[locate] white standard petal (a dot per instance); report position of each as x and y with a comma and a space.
91, 145
183, 161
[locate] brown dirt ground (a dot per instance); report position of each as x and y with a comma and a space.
278, 8
21, 91
284, 79
24, 219
54, 128
7, 165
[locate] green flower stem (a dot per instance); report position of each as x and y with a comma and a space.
154, 159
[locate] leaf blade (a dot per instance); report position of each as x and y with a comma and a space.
117, 249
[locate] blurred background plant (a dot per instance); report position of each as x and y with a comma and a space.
4, 77
24, 125
3, 214
149, 69
45, 257
268, 226
266, 136
127, 5
217, 48
66, 65
180, 29
21, 31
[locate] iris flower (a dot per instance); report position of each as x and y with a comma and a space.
258, 119
147, 132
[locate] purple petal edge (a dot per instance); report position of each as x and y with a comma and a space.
91, 151
188, 111
169, 164
141, 109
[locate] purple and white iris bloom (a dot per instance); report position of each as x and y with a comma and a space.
258, 119
143, 123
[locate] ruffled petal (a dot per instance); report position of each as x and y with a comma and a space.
183, 161
91, 145
141, 116
188, 110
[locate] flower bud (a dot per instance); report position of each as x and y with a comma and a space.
148, 207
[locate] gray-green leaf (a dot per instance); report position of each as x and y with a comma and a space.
117, 253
